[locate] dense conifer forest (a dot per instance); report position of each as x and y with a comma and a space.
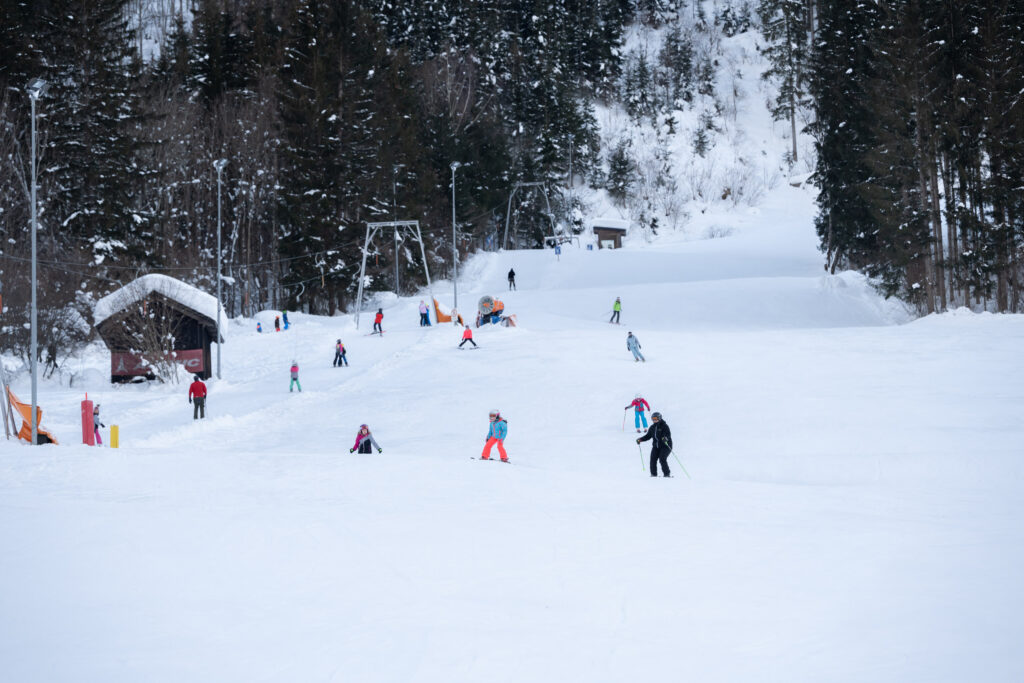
334, 113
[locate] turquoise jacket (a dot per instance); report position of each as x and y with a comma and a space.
498, 430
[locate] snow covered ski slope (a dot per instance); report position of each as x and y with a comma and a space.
854, 514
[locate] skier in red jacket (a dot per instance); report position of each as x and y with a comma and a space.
467, 336
639, 404
377, 320
197, 392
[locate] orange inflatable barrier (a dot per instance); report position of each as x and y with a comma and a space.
444, 317
25, 410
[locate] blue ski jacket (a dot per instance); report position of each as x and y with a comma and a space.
632, 343
498, 430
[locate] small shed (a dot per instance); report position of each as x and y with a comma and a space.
157, 320
609, 231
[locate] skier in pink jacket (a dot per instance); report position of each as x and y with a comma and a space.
638, 405
364, 441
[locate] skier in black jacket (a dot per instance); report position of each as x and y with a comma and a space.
661, 436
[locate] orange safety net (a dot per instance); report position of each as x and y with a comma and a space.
25, 410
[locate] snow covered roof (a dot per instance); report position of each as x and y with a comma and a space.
615, 223
181, 292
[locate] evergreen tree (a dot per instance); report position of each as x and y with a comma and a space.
783, 24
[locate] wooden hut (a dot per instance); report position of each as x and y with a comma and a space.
609, 231
155, 322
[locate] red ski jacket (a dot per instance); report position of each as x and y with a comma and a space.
377, 318
198, 390
468, 334
639, 404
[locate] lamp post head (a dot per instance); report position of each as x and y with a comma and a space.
36, 88
219, 164
455, 165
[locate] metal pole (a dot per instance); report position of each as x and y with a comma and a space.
34, 339
219, 165
362, 275
508, 215
455, 245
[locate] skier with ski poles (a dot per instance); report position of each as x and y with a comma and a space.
633, 346
638, 405
364, 441
616, 310
339, 355
496, 434
661, 438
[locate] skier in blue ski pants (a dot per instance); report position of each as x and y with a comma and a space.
633, 345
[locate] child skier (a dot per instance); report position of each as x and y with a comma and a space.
339, 355
259, 327
496, 434
277, 323
295, 377
377, 320
616, 310
633, 345
467, 336
424, 314
96, 424
364, 441
661, 445
639, 404
284, 318
197, 391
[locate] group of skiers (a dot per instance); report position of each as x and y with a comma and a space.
277, 322
658, 433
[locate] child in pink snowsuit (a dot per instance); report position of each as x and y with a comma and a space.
638, 405
96, 424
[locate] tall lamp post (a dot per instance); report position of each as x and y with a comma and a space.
219, 165
36, 89
455, 245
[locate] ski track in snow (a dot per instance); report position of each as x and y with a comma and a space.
855, 511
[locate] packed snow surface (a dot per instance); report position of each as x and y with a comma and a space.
854, 514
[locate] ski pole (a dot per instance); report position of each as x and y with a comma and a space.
624, 419
642, 468
680, 464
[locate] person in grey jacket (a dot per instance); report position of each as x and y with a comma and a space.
633, 345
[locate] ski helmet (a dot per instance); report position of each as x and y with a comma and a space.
339, 341
655, 416
495, 413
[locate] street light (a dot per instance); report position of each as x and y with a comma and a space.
219, 165
455, 246
36, 89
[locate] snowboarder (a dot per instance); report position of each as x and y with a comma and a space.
633, 345
467, 336
424, 314
259, 327
511, 279
197, 397
638, 405
96, 424
616, 310
284, 319
277, 323
364, 441
661, 436
339, 355
377, 319
496, 434
295, 377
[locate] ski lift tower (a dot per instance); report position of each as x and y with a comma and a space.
398, 226
508, 213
